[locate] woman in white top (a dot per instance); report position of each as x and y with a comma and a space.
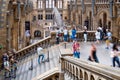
65, 31
114, 55
40, 54
97, 34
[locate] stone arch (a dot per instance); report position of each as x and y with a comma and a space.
68, 66
90, 20
76, 72
37, 33
85, 76
86, 22
81, 74
115, 11
105, 20
109, 25
100, 22
74, 18
80, 17
104, 16
73, 71
92, 77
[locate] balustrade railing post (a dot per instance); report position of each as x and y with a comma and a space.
61, 74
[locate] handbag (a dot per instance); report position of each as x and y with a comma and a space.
89, 58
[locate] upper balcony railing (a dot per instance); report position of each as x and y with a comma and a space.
43, 43
87, 1
102, 1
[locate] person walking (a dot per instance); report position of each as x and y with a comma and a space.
93, 56
57, 36
108, 38
114, 55
40, 54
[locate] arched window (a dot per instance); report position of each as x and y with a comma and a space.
37, 33
59, 4
50, 3
47, 4
40, 4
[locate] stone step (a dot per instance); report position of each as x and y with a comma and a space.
23, 72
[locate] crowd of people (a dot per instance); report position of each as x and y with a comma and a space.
101, 35
9, 64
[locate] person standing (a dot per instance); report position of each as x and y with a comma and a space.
73, 33
65, 31
76, 48
6, 65
114, 55
70, 34
13, 63
85, 35
57, 36
97, 34
93, 56
40, 54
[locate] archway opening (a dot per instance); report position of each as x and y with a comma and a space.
90, 21
81, 74
92, 77
104, 20
86, 22
37, 33
100, 23
85, 76
109, 25
115, 11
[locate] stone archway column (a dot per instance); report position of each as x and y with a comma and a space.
77, 20
94, 23
22, 32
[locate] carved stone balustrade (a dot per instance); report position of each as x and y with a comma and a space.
102, 1
84, 70
43, 43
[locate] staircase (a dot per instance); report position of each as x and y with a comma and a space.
23, 72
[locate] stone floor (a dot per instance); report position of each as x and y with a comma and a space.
23, 72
